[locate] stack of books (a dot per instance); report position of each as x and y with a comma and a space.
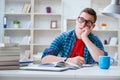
9, 57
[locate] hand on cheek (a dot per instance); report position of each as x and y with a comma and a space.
86, 31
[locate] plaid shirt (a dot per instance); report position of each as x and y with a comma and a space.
64, 43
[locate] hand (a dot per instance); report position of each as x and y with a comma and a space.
77, 60
86, 31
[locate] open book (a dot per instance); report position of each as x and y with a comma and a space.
70, 65
54, 66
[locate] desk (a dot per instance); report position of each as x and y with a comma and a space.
86, 73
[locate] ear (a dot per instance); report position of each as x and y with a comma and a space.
76, 20
92, 26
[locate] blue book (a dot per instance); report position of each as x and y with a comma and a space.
5, 22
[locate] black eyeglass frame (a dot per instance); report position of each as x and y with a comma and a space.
88, 22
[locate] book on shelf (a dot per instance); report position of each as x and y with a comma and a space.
26, 8
5, 22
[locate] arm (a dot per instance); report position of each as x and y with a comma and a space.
51, 54
51, 58
93, 49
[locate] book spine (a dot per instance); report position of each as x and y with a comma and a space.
5, 22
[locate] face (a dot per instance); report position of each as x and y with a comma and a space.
84, 20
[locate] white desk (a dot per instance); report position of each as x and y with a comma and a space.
89, 73
95, 73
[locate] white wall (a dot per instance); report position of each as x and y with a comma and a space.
1, 19
72, 8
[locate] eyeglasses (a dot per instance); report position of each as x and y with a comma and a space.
82, 20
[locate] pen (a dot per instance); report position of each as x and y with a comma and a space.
65, 59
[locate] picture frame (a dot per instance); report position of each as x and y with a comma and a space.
53, 24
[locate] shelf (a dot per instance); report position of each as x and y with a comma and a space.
18, 14
106, 30
47, 14
21, 45
38, 29
19, 29
110, 45
41, 44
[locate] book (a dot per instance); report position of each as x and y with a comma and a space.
28, 8
5, 22
9, 48
65, 64
55, 66
68, 65
25, 8
9, 53
10, 62
10, 57
9, 67
24, 63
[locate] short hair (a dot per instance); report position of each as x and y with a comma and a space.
91, 12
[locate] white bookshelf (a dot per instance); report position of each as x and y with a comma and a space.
35, 25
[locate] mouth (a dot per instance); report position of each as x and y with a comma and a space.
80, 28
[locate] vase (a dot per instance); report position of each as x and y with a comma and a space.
48, 9
16, 25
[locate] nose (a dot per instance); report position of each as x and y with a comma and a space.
83, 24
